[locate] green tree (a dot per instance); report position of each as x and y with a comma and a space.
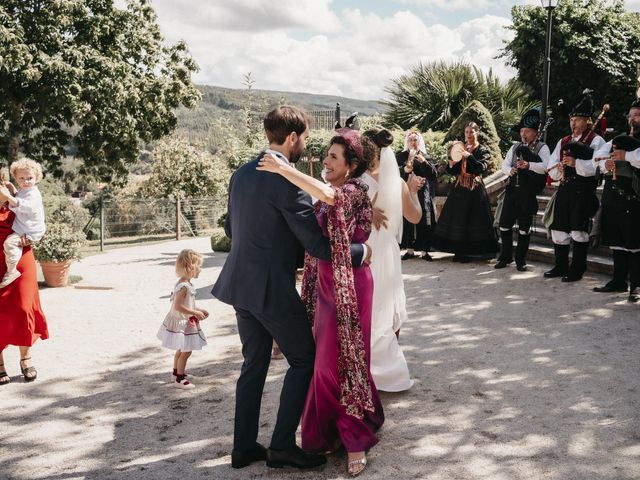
182, 170
478, 113
90, 76
432, 95
594, 44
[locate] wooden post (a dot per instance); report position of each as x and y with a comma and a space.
178, 233
101, 222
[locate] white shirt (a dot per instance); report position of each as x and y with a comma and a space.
584, 168
536, 167
604, 151
29, 219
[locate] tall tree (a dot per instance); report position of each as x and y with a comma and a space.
432, 96
90, 77
594, 44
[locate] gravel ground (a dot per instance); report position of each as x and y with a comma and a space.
517, 377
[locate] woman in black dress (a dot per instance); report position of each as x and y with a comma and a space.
414, 159
465, 227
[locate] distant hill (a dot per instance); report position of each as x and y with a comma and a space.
218, 102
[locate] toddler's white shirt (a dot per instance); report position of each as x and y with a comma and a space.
29, 219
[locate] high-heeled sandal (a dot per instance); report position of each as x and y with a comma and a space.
356, 467
29, 373
4, 378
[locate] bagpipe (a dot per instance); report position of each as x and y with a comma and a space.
622, 168
529, 153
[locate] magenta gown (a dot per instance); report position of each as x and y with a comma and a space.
325, 423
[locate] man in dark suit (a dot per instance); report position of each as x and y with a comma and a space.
269, 221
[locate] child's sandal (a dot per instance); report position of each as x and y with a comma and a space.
4, 378
29, 373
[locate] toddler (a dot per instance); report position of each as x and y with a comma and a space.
180, 330
29, 220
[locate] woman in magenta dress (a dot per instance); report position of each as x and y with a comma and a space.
343, 406
22, 321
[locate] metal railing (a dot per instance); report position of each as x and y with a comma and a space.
134, 220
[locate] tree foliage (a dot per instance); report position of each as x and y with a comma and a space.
432, 95
182, 170
90, 76
594, 44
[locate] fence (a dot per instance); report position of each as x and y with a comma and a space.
134, 220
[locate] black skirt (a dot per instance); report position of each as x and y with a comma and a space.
576, 203
620, 218
465, 226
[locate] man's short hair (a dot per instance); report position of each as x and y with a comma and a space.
282, 120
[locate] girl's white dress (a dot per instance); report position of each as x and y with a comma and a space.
388, 365
176, 332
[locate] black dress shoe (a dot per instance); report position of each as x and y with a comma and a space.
407, 256
555, 272
522, 268
611, 287
241, 459
294, 457
464, 259
634, 295
571, 277
427, 257
501, 264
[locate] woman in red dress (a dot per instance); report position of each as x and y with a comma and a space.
22, 321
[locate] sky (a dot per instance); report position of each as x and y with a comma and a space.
352, 48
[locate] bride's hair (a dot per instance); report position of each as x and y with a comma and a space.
381, 137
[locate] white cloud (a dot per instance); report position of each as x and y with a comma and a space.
477, 5
359, 59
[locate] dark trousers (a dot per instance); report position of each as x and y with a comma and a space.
293, 335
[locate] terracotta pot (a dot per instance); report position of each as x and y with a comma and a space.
56, 274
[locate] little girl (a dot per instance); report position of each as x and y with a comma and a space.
180, 330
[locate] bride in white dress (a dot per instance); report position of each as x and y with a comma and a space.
391, 198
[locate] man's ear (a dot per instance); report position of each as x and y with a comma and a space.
292, 138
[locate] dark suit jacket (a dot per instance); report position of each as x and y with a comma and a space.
269, 221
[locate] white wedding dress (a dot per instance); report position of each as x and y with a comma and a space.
388, 365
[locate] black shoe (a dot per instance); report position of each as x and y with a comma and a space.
427, 257
571, 277
611, 287
241, 459
502, 264
522, 268
634, 295
294, 457
555, 272
407, 256
464, 259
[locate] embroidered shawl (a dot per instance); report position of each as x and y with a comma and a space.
351, 209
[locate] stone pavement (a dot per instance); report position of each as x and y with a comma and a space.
517, 377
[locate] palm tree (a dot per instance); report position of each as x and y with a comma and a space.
432, 95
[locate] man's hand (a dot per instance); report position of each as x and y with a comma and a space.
522, 165
618, 155
609, 165
569, 161
513, 171
367, 259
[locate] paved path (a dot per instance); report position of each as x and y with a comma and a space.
517, 377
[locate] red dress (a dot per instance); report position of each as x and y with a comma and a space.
22, 321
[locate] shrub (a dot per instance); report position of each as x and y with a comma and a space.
219, 241
60, 243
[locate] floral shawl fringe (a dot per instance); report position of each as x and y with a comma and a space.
466, 180
352, 208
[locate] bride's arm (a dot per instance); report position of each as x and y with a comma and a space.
410, 203
313, 187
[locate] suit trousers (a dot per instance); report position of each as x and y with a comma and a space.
294, 337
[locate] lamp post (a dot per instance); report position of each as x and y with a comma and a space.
548, 5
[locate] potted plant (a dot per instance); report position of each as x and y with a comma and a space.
55, 252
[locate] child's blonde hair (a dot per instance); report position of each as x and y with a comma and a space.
187, 262
27, 164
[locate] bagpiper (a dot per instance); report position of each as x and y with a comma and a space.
619, 160
525, 163
575, 203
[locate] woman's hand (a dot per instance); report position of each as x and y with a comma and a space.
415, 183
24, 241
5, 193
270, 163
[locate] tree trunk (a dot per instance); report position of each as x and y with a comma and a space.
15, 131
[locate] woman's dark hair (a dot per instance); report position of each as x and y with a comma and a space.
369, 152
380, 136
